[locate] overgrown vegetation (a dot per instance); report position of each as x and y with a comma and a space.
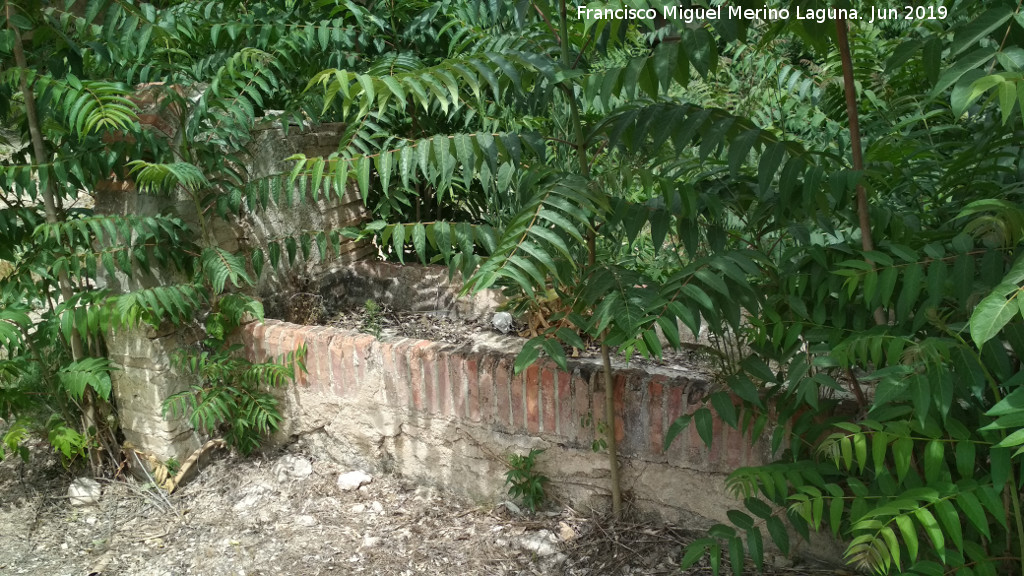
591, 143
842, 198
524, 483
208, 70
233, 396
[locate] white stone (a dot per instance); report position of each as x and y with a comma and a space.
248, 501
353, 480
358, 508
370, 541
84, 491
377, 507
541, 543
291, 469
502, 322
305, 520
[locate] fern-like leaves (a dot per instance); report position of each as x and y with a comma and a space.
88, 372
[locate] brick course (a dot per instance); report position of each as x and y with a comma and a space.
480, 387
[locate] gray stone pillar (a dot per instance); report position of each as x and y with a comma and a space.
143, 379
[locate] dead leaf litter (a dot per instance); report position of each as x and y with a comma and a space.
288, 513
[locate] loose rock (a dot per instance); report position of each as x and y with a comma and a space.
541, 542
305, 520
291, 468
84, 491
370, 542
502, 322
239, 519
353, 480
565, 532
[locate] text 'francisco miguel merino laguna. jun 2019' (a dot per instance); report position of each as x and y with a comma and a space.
690, 14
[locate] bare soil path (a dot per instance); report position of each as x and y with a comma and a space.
259, 517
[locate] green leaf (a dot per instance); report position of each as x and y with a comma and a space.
724, 407
755, 547
1000, 465
978, 28
704, 422
779, 535
769, 165
739, 149
362, 169
529, 354
736, 556
835, 514
1013, 440
678, 425
1013, 403
757, 368
419, 241
860, 448
909, 531
554, 351
889, 537
879, 449
695, 551
932, 529
991, 315
398, 241
88, 372
902, 451
971, 507
950, 522
934, 460
740, 520
965, 458
758, 508
1007, 100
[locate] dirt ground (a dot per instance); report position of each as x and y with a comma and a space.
284, 513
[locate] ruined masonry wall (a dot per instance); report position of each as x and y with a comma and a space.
450, 415
142, 376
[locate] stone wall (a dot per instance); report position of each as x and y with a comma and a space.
450, 415
143, 377
270, 147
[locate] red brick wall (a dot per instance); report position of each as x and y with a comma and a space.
479, 387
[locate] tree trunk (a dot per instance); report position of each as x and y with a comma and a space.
863, 215
609, 384
42, 160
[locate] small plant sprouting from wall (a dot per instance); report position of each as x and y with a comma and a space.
525, 483
172, 466
599, 444
373, 318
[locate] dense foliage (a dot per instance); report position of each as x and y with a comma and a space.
628, 172
166, 99
631, 176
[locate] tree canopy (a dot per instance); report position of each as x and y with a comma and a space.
838, 198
